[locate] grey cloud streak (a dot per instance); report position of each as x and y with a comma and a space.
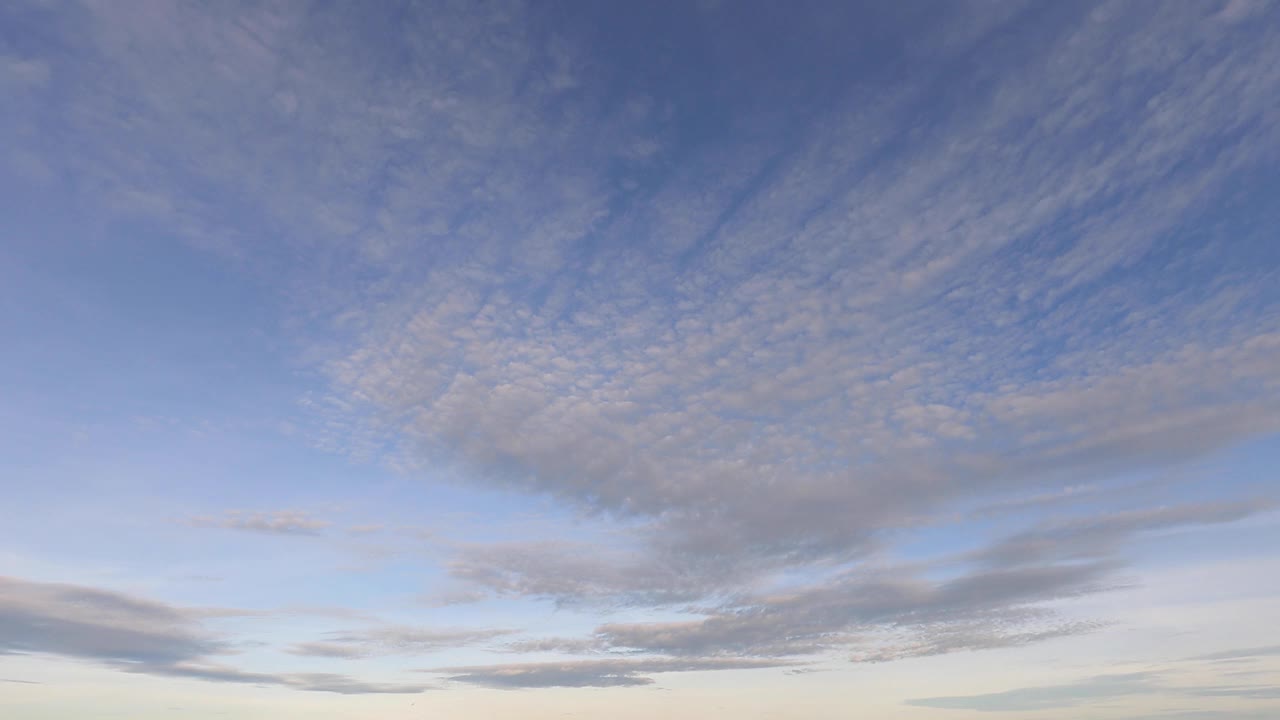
1242, 653
594, 673
97, 625
138, 636
1098, 536
1102, 687
1154, 683
987, 633
1051, 696
993, 598
576, 573
384, 641
314, 682
830, 615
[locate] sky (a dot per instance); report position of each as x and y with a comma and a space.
756, 360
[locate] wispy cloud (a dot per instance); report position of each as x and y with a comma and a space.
98, 625
593, 673
280, 522
1242, 653
992, 598
315, 682
1101, 687
1094, 536
138, 636
393, 641
1050, 696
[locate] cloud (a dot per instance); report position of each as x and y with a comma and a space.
1266, 692
97, 625
1101, 535
1242, 653
567, 645
769, 344
979, 608
653, 358
328, 649
1048, 697
991, 598
446, 598
985, 634
577, 573
386, 641
593, 673
280, 522
315, 682
1089, 690
137, 636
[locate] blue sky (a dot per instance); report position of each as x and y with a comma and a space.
914, 360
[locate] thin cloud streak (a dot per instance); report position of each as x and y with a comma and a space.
385, 641
138, 636
593, 673
280, 522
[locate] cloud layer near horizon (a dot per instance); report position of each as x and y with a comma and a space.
138, 636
